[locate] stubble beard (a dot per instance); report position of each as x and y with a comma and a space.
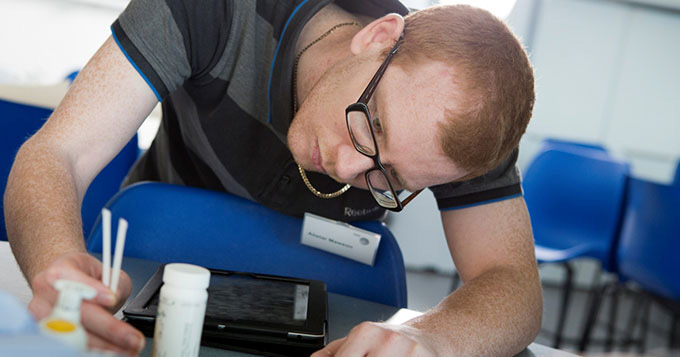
302, 131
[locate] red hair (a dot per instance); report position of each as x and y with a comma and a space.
492, 70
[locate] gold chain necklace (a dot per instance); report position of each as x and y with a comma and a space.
295, 68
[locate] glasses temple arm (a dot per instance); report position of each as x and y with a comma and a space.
370, 88
411, 197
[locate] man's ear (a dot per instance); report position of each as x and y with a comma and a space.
380, 33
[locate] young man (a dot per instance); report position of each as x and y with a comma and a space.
258, 100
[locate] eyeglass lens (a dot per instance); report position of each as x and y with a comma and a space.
361, 132
380, 189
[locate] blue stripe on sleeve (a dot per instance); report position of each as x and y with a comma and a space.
482, 202
135, 66
271, 70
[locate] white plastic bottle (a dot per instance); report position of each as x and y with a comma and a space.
64, 322
181, 310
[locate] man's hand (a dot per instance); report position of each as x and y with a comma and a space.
104, 331
379, 339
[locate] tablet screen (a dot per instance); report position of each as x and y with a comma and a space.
242, 297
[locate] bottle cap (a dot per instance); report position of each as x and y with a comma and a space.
71, 294
186, 276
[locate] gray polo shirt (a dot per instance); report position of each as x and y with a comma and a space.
223, 69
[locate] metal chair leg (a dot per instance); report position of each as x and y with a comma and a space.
596, 301
643, 326
566, 295
627, 340
673, 338
609, 342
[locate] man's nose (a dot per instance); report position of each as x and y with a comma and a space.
351, 163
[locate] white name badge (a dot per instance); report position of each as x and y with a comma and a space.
339, 238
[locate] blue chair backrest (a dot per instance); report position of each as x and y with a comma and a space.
576, 147
18, 122
650, 238
568, 145
575, 197
107, 183
170, 223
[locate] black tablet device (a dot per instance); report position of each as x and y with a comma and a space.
263, 314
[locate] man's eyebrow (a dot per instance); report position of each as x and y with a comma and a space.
383, 121
393, 172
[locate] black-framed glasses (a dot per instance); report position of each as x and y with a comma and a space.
363, 137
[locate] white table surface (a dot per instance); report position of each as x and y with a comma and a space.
344, 312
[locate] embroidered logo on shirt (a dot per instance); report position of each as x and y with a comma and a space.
354, 212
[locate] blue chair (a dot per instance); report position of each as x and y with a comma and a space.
648, 252
170, 223
574, 194
19, 121
72, 76
568, 145
650, 238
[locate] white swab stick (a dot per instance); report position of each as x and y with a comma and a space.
106, 247
118, 254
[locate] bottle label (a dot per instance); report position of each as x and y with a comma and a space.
179, 325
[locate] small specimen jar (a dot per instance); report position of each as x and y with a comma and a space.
181, 310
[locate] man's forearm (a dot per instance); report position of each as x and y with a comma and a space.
42, 210
496, 314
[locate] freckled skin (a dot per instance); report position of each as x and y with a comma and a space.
70, 142
97, 117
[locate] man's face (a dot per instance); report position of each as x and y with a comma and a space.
405, 111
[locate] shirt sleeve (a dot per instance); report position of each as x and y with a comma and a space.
170, 41
503, 182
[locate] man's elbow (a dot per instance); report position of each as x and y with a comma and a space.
37, 160
534, 310
537, 315
530, 309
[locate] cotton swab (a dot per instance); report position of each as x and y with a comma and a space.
106, 247
118, 254
111, 276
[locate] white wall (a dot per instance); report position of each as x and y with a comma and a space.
44, 40
606, 72
644, 120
